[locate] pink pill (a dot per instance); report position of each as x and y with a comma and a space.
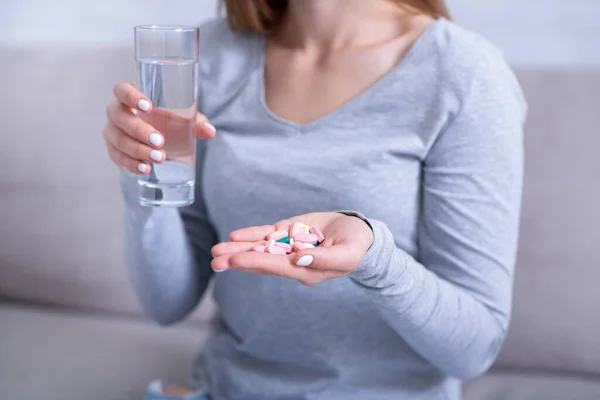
302, 246
259, 249
306, 238
317, 233
285, 246
276, 250
297, 228
277, 235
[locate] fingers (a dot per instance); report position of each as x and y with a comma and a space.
251, 234
340, 257
255, 260
131, 98
133, 143
273, 265
234, 247
127, 163
128, 95
130, 147
122, 117
204, 129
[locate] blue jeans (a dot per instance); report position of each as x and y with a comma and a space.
150, 396
154, 392
193, 396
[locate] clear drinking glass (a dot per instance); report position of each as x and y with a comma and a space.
167, 73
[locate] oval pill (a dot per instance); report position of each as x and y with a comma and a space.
285, 240
285, 246
270, 244
306, 238
302, 246
280, 234
259, 249
298, 227
317, 233
276, 250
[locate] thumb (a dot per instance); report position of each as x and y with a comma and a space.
339, 257
204, 129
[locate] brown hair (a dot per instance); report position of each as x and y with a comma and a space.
264, 15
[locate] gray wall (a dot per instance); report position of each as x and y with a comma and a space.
103, 22
537, 32
552, 33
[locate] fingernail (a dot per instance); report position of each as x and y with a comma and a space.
143, 105
156, 139
156, 155
210, 126
305, 261
142, 168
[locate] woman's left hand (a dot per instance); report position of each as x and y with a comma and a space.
347, 239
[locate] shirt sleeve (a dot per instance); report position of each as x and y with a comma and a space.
452, 302
168, 251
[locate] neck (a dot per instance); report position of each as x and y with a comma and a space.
331, 24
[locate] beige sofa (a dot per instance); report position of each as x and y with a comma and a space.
70, 327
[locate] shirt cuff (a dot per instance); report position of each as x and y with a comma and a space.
380, 267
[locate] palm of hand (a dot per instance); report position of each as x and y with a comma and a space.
347, 239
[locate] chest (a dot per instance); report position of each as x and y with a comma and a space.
301, 89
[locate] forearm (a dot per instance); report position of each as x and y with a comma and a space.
159, 259
442, 321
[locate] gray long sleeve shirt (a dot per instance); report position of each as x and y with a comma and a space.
431, 155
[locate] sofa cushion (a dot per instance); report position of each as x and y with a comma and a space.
532, 385
62, 236
556, 318
52, 355
61, 213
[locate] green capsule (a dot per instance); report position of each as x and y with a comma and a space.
284, 240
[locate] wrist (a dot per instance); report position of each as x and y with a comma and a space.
367, 233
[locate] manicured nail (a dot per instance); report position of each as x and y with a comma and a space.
156, 139
142, 168
210, 126
144, 105
305, 261
156, 155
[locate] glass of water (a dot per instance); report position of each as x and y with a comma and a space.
167, 73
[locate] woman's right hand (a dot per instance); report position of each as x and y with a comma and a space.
132, 142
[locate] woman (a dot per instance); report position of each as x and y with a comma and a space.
384, 109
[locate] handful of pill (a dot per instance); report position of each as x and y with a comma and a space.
299, 237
